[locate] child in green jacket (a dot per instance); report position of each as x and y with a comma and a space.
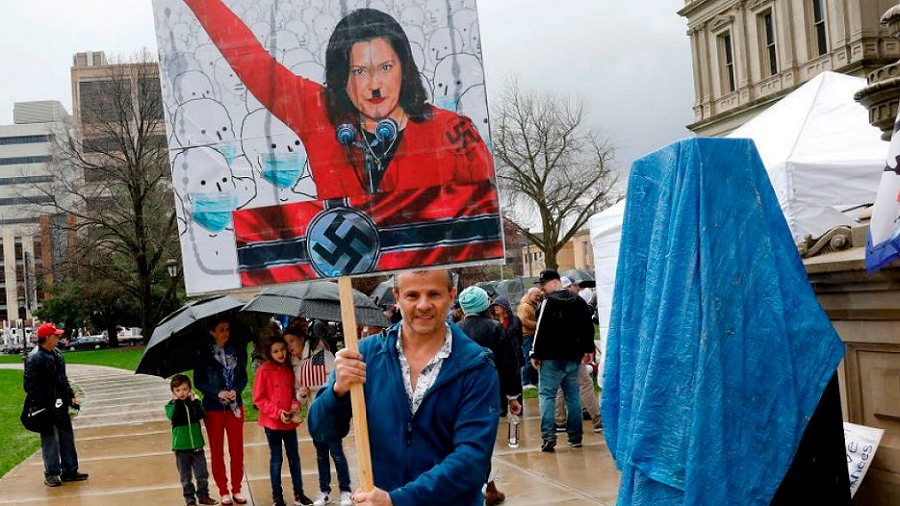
185, 413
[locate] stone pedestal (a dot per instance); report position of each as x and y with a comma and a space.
865, 310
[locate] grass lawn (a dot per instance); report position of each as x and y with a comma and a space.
16, 443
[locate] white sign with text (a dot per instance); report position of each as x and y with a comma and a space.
861, 443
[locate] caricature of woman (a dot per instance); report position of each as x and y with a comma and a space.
370, 76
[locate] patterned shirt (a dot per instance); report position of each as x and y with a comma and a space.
429, 373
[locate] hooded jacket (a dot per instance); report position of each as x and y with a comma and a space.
513, 328
440, 455
185, 417
565, 330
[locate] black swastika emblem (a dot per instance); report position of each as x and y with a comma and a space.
459, 135
342, 241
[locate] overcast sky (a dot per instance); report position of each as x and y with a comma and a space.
630, 60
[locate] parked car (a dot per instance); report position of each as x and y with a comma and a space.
94, 342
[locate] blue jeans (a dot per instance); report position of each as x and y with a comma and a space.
555, 374
340, 465
529, 374
289, 439
58, 448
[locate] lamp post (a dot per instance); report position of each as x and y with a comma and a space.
172, 268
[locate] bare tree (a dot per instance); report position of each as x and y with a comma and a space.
550, 164
112, 183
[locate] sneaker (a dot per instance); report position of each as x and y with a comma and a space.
548, 446
301, 500
76, 476
321, 499
52, 481
278, 501
560, 428
207, 501
238, 498
575, 444
598, 429
346, 499
191, 503
529, 387
226, 500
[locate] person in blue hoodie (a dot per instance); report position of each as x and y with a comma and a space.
432, 398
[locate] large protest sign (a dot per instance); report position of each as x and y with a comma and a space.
314, 139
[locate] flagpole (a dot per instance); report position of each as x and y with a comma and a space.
357, 395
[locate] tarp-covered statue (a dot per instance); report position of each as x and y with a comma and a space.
718, 351
315, 139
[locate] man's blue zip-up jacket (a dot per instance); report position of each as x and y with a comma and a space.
441, 455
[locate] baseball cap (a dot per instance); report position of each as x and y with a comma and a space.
546, 275
47, 330
566, 281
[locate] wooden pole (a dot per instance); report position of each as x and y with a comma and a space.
357, 395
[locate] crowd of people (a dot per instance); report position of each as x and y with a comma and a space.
437, 380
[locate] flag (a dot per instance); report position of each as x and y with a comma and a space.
312, 370
883, 244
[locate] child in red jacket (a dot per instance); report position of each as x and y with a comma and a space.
273, 394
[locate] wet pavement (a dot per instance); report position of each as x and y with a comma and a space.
123, 441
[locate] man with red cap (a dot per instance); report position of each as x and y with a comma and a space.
48, 386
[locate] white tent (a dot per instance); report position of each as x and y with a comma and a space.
822, 155
606, 228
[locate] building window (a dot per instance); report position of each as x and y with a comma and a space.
726, 56
24, 139
23, 160
769, 52
818, 21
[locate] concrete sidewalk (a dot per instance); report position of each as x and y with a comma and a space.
123, 441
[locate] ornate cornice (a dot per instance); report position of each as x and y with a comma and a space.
721, 21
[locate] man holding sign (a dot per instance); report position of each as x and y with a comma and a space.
432, 402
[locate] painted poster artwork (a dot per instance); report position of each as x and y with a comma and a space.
315, 139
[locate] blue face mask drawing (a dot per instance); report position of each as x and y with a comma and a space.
229, 150
212, 211
282, 169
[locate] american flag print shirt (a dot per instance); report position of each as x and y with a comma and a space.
429, 373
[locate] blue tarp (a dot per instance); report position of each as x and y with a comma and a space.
718, 351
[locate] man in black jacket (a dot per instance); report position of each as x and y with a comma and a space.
563, 339
47, 385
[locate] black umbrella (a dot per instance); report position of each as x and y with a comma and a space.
383, 294
582, 277
489, 287
177, 339
314, 299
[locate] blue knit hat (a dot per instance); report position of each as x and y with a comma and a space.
473, 300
